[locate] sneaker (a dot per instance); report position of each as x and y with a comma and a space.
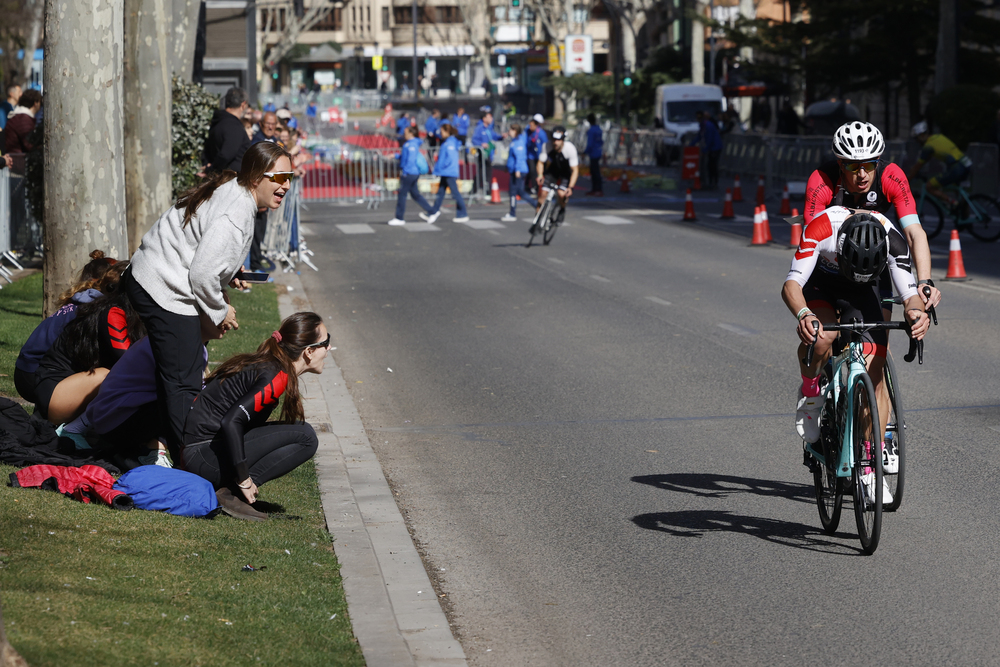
463, 218
430, 217
807, 417
78, 439
508, 218
156, 457
560, 216
890, 458
868, 486
396, 222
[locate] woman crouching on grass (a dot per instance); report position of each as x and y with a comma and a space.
227, 439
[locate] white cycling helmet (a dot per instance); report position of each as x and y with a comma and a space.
919, 128
858, 141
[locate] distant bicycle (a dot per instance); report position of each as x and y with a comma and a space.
979, 214
546, 220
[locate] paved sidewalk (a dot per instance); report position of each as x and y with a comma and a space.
394, 610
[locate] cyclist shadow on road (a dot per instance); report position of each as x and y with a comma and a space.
698, 523
720, 486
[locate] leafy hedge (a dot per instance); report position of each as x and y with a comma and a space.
192, 112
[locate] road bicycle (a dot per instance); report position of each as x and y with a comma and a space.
546, 218
978, 213
848, 454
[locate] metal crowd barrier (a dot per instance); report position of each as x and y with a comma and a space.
283, 240
622, 145
20, 232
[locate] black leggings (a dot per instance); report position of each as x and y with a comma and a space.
272, 451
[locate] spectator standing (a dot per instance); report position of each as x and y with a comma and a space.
537, 138
594, 150
268, 133
268, 128
410, 168
483, 138
401, 125
227, 139
431, 126
446, 168
708, 135
176, 277
311, 116
13, 95
461, 122
788, 120
17, 133
517, 166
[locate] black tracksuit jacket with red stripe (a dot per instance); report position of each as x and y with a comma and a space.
226, 409
113, 340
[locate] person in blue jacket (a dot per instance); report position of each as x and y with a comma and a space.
461, 122
447, 168
595, 147
482, 138
409, 173
431, 127
517, 166
708, 133
537, 138
402, 124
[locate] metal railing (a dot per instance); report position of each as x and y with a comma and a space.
283, 240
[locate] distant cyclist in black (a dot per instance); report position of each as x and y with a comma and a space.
559, 164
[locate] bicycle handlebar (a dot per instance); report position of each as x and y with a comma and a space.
916, 346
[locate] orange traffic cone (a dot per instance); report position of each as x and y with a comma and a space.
796, 230
764, 222
760, 191
737, 190
786, 204
956, 267
625, 188
727, 206
759, 238
697, 180
495, 192
689, 206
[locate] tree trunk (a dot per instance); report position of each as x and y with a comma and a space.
698, 45
36, 9
946, 61
184, 31
84, 169
147, 115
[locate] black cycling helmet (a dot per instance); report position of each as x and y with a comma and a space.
862, 248
558, 132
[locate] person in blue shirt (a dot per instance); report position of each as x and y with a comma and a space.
447, 168
537, 138
482, 139
431, 126
708, 133
402, 124
517, 166
409, 173
595, 147
311, 116
461, 122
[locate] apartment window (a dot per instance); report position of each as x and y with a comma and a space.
449, 15
581, 13
333, 20
385, 18
404, 16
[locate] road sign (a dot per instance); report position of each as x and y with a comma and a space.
554, 57
579, 54
376, 63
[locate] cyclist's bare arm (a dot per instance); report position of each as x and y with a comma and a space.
792, 295
916, 237
572, 179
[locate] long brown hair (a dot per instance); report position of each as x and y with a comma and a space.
90, 275
297, 332
259, 158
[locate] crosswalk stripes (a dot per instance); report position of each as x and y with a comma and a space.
356, 228
609, 219
418, 227
484, 224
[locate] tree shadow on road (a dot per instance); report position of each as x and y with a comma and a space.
707, 485
698, 523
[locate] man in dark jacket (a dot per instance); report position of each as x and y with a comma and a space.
227, 139
17, 133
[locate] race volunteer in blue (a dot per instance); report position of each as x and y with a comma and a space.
431, 127
461, 122
517, 166
447, 168
483, 138
411, 165
595, 148
537, 138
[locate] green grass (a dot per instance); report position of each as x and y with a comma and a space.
87, 585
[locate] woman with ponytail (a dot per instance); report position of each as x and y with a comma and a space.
179, 273
228, 440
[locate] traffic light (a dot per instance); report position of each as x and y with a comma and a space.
274, 75
515, 3
509, 70
628, 80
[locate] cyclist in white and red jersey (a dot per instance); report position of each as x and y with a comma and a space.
859, 180
835, 276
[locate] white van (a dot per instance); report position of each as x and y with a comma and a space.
676, 106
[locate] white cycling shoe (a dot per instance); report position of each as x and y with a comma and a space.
807, 417
868, 484
890, 458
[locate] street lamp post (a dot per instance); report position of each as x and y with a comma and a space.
359, 78
414, 80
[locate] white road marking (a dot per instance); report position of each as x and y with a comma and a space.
600, 278
357, 228
737, 329
422, 227
656, 299
609, 219
306, 230
483, 224
557, 261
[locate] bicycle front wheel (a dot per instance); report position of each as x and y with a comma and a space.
931, 217
985, 216
550, 226
896, 429
540, 217
867, 473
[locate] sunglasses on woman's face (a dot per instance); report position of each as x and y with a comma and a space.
325, 343
279, 177
855, 167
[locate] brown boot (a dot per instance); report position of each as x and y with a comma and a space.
237, 507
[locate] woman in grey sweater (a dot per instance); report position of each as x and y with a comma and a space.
178, 275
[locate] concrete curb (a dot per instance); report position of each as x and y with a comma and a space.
394, 611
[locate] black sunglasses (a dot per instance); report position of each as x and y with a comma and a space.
325, 343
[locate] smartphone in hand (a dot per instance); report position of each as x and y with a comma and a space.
253, 276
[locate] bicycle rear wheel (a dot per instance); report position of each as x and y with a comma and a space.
829, 489
550, 226
867, 471
896, 428
985, 216
540, 217
931, 217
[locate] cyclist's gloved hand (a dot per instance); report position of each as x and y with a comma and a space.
919, 322
807, 331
